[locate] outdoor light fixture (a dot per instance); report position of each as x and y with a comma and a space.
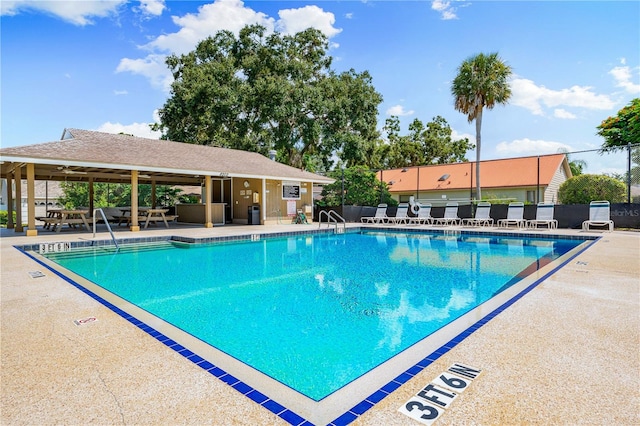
443, 177
67, 171
140, 176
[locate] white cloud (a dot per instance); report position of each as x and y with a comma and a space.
231, 15
445, 9
623, 76
457, 136
561, 113
526, 94
152, 7
348, 15
141, 130
120, 92
295, 20
526, 146
398, 110
152, 67
77, 12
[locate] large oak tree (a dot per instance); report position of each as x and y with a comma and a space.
261, 92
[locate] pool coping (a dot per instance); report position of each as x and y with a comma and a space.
497, 306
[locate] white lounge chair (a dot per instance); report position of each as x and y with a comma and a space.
402, 215
481, 217
544, 216
450, 215
379, 217
599, 215
424, 215
515, 216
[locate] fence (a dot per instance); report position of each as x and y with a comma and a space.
622, 165
617, 180
571, 216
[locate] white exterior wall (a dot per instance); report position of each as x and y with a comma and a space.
551, 193
462, 196
436, 198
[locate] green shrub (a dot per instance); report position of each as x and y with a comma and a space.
583, 189
4, 217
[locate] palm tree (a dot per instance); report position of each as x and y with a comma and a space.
482, 81
576, 166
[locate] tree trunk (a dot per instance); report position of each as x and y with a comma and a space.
478, 146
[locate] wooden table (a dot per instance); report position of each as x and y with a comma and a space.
58, 217
154, 215
126, 215
145, 215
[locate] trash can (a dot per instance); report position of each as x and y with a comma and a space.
254, 215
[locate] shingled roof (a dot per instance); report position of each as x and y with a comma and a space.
84, 152
502, 173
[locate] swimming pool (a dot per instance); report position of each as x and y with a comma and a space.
317, 313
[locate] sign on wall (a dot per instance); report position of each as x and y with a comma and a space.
290, 190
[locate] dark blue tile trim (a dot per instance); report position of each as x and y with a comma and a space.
353, 413
243, 388
256, 396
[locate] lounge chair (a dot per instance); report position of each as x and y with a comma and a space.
380, 216
450, 215
401, 216
481, 217
599, 215
544, 216
514, 216
424, 215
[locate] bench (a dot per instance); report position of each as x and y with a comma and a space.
69, 217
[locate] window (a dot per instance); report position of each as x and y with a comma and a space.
531, 196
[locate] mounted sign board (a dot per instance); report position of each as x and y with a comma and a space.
291, 208
290, 190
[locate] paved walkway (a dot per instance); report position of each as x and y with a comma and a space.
566, 353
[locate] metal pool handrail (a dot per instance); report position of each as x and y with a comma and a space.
108, 226
334, 217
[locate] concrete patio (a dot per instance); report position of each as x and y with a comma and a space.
566, 353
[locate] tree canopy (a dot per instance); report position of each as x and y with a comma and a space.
482, 82
361, 188
423, 145
585, 188
261, 92
623, 129
76, 194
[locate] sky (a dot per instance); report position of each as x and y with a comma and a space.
99, 65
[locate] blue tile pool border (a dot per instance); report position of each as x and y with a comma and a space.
258, 397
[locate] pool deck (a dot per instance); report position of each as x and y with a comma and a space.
566, 353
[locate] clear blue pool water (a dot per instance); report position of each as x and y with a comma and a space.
315, 312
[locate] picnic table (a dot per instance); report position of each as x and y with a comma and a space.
146, 215
58, 217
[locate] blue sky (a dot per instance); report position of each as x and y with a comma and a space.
99, 65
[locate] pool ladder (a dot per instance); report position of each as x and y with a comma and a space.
333, 218
113, 238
